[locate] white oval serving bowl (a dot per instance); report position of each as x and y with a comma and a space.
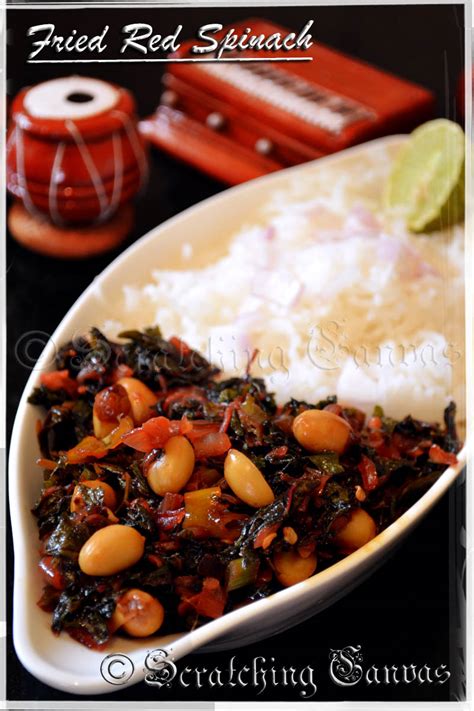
65, 664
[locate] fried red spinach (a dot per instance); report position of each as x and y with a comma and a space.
197, 570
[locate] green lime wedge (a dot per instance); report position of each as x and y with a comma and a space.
427, 182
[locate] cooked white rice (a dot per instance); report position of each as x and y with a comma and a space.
335, 298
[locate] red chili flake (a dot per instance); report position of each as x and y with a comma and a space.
440, 456
278, 452
368, 473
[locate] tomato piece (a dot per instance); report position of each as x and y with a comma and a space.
88, 447
213, 444
51, 573
210, 602
160, 429
48, 464
171, 502
154, 433
59, 380
199, 428
84, 637
440, 456
138, 439
170, 512
180, 345
115, 438
168, 520
368, 473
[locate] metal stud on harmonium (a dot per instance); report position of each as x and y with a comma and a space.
239, 120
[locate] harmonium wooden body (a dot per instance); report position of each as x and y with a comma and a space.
237, 120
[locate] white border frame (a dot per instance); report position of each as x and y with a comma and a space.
469, 270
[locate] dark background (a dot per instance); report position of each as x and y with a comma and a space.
408, 612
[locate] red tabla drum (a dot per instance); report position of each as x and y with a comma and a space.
73, 151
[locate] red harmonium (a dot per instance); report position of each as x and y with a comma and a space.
239, 120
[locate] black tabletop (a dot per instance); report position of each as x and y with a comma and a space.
409, 611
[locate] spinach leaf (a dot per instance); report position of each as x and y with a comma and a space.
327, 462
67, 538
44, 397
262, 519
49, 509
152, 357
